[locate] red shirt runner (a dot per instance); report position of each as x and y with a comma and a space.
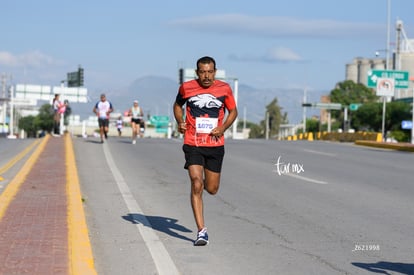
205, 110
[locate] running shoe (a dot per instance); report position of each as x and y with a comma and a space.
202, 237
134, 141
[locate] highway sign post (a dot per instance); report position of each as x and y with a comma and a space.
385, 86
161, 123
327, 106
401, 78
401, 81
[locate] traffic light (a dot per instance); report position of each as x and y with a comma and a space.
80, 77
306, 104
181, 76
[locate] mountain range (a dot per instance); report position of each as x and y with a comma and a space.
156, 95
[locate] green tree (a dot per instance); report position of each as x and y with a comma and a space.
312, 125
348, 92
28, 124
369, 117
275, 116
44, 120
255, 130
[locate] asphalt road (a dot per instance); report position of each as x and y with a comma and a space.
284, 207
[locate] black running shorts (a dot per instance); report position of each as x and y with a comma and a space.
103, 122
210, 158
136, 120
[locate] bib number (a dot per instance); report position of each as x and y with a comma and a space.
204, 125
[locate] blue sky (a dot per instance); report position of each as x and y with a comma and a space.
265, 44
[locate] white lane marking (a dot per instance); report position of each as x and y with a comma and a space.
306, 179
160, 255
320, 153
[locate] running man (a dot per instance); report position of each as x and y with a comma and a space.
206, 101
102, 110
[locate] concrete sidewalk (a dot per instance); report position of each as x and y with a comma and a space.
42, 224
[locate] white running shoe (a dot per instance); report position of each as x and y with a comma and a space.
202, 237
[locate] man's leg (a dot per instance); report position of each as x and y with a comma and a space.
106, 129
197, 185
134, 133
101, 131
212, 181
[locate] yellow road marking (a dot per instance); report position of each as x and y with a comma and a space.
80, 250
14, 160
13, 187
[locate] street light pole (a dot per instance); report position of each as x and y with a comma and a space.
11, 124
384, 99
412, 120
236, 95
304, 111
388, 34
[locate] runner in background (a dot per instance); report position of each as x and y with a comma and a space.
137, 118
102, 110
119, 124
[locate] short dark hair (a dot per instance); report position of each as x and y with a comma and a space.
206, 60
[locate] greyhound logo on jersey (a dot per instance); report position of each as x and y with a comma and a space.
206, 101
205, 104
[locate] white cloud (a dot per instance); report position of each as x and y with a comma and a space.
34, 59
282, 54
273, 55
278, 26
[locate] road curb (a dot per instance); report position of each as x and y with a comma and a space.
80, 251
407, 147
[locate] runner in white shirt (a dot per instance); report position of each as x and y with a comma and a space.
102, 110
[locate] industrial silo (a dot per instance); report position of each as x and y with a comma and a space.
365, 65
352, 71
407, 64
378, 64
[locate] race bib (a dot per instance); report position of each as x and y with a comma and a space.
205, 124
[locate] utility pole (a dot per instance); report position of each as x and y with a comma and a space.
304, 110
3, 85
236, 98
384, 98
11, 123
267, 126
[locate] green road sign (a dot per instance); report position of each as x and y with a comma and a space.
401, 78
328, 106
160, 123
160, 120
354, 106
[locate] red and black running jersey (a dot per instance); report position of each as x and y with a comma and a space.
205, 110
